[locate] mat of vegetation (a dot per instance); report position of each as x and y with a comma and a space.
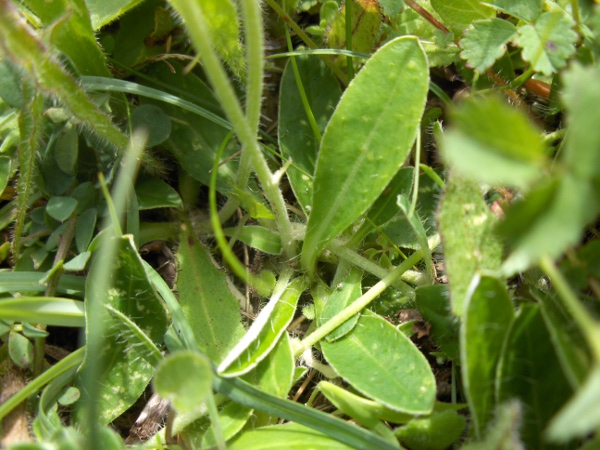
300, 224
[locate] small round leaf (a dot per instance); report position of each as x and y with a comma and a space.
155, 121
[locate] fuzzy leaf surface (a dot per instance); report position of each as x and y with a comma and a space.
366, 141
485, 42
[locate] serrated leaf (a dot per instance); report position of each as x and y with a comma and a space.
382, 363
206, 301
366, 141
527, 10
263, 334
296, 138
530, 371
459, 14
485, 42
549, 43
488, 315
466, 224
338, 300
479, 147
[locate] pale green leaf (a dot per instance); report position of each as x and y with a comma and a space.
78, 263
366, 141
459, 14
263, 334
185, 379
260, 238
485, 42
527, 10
382, 363
296, 138
488, 315
342, 296
232, 419
479, 147
206, 301
581, 415
102, 12
466, 224
295, 437
549, 43
530, 371
20, 350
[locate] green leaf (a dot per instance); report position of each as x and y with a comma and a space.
433, 304
437, 432
503, 431
382, 363
257, 237
581, 95
392, 8
465, 225
459, 14
342, 296
19, 43
154, 121
547, 221
206, 301
295, 437
365, 23
67, 28
366, 141
487, 318
78, 263
66, 149
84, 229
185, 379
153, 193
549, 43
20, 350
5, 166
102, 12
527, 10
530, 371
263, 334
485, 42
296, 138
479, 146
61, 208
581, 415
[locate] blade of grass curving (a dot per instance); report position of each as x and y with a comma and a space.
102, 279
241, 392
19, 42
31, 127
64, 365
53, 311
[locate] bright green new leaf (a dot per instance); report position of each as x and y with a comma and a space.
296, 138
154, 193
366, 141
459, 14
581, 415
382, 363
547, 221
487, 317
295, 437
263, 334
479, 146
184, 378
466, 227
530, 371
436, 432
102, 12
61, 208
485, 42
206, 301
549, 42
339, 299
527, 10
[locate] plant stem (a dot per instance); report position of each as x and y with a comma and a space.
360, 303
589, 327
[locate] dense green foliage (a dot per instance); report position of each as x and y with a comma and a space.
363, 224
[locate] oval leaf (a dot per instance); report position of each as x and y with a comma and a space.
382, 363
367, 140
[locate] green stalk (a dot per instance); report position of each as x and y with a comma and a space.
349, 62
199, 33
588, 326
360, 303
